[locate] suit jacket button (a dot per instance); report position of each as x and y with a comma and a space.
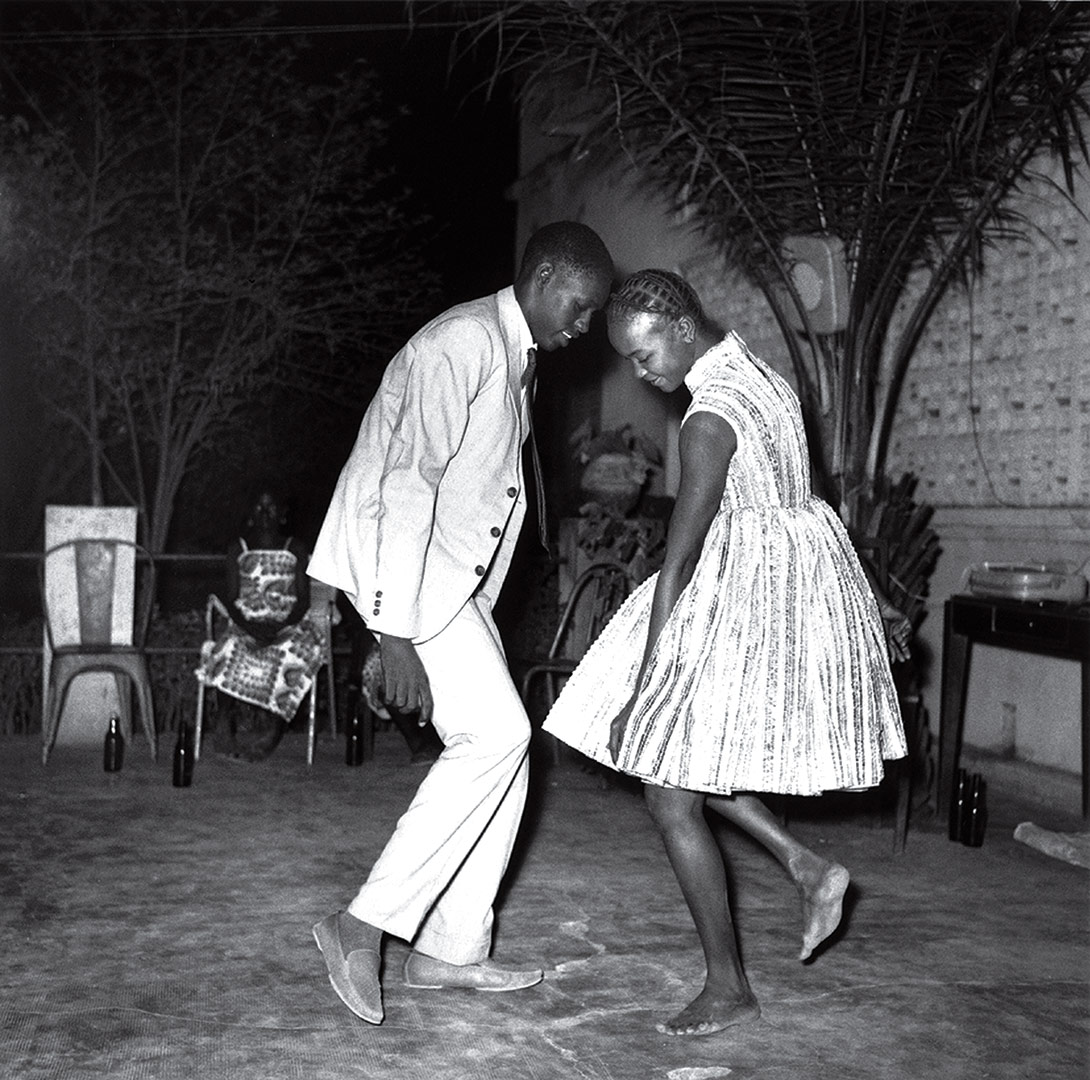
479, 571
512, 492
496, 530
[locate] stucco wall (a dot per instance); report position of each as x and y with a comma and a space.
995, 410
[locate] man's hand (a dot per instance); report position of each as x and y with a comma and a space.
406, 685
617, 729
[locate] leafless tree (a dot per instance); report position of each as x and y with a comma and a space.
197, 216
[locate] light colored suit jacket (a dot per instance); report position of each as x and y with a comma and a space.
430, 502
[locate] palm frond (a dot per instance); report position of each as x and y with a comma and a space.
903, 128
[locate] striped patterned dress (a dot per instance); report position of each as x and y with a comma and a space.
771, 673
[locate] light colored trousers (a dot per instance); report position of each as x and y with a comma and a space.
436, 879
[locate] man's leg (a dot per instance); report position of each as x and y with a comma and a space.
455, 839
462, 822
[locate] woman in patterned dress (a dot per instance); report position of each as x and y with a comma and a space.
756, 660
271, 649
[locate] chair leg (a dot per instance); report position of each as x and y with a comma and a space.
550, 699
331, 690
147, 712
913, 726
311, 725
904, 796
51, 720
367, 726
198, 721
124, 703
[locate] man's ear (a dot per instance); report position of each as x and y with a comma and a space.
543, 273
685, 329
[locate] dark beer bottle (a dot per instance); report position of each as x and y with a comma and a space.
353, 746
113, 749
183, 757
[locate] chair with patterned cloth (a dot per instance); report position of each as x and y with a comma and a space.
322, 614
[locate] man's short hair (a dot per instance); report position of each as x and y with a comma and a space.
570, 244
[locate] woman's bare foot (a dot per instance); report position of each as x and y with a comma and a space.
822, 886
712, 1011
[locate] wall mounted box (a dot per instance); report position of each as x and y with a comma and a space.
820, 276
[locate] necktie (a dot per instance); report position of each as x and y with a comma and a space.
528, 378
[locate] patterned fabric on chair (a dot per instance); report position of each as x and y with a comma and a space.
317, 626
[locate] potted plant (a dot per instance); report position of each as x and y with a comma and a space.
616, 466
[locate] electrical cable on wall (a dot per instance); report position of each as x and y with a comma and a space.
1000, 501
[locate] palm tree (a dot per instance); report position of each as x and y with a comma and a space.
899, 130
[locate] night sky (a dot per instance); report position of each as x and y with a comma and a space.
456, 146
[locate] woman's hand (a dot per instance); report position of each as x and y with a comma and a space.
898, 631
406, 683
617, 729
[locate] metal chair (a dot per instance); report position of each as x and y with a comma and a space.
595, 595
323, 610
95, 574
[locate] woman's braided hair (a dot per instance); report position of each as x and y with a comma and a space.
656, 292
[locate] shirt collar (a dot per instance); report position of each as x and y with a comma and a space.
508, 303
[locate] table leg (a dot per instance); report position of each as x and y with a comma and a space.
955, 679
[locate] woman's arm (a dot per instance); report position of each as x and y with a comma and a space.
707, 443
232, 584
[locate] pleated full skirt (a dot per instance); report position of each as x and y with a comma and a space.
771, 673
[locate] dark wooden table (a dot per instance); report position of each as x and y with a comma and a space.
1047, 628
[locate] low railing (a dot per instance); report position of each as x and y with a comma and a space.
172, 661
32, 597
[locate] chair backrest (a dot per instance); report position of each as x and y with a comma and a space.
87, 605
595, 596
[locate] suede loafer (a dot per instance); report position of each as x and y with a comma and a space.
355, 975
426, 973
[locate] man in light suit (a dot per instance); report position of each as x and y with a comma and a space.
419, 536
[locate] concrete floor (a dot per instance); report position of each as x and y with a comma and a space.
148, 931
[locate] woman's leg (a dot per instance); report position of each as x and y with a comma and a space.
821, 883
698, 864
